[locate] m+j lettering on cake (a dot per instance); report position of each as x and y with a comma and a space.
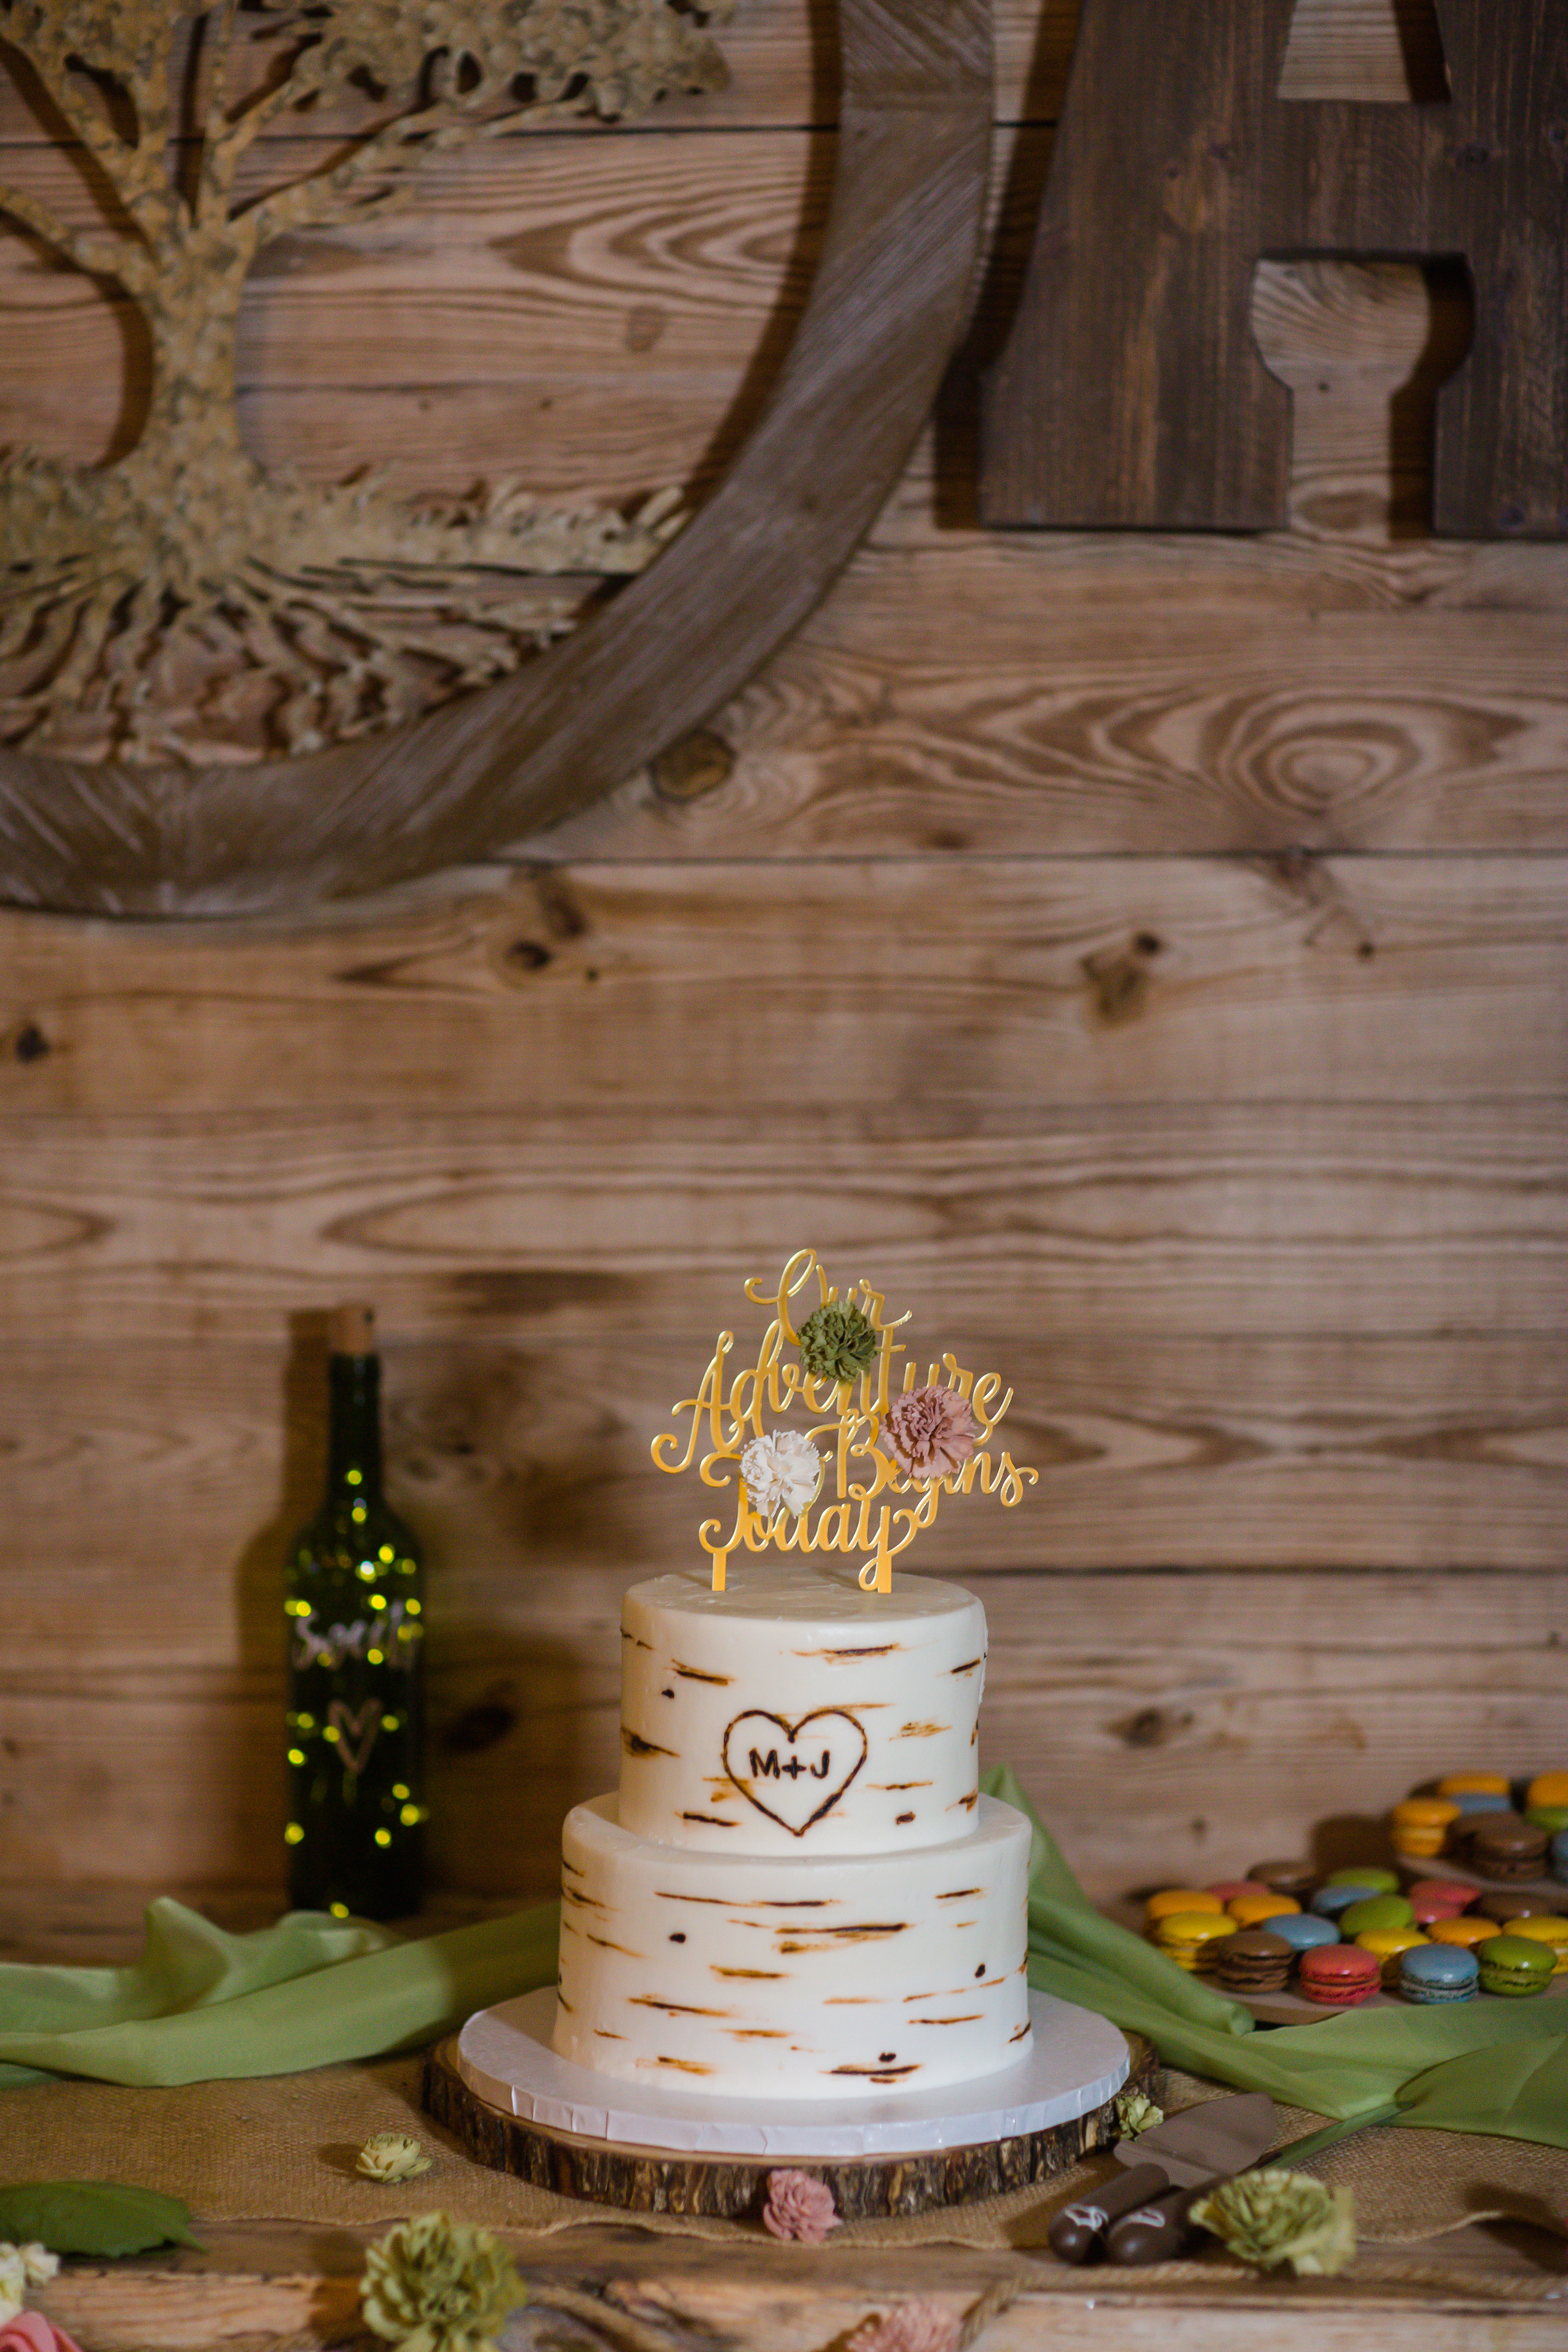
868, 1471
795, 1772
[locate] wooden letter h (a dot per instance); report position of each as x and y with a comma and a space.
1131, 391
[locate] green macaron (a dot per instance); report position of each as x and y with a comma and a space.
1378, 1913
1511, 1965
1376, 1880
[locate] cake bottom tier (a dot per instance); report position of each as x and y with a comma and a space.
801, 1978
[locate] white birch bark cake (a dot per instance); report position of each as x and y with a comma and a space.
798, 1890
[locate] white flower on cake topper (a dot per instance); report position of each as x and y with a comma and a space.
784, 1468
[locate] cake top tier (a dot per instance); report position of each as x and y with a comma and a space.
795, 1713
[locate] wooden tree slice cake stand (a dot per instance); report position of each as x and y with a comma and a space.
645, 2179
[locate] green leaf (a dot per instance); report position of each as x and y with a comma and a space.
92, 2217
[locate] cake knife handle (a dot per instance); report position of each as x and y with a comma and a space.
1077, 2231
1154, 2232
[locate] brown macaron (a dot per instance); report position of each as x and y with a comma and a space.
1297, 1878
1504, 1847
1252, 1961
1501, 1906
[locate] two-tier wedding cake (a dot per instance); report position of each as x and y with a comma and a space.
798, 1890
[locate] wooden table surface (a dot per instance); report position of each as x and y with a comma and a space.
292, 2286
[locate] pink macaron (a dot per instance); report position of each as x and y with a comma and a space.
1452, 1892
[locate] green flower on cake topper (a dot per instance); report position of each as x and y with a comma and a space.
821, 1489
838, 1341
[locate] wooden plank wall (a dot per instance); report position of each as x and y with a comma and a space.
1146, 954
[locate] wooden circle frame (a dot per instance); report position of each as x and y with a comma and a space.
887, 307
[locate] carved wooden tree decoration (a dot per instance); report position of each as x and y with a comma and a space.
472, 778
182, 599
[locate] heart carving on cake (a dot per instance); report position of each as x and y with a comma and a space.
793, 1772
357, 1733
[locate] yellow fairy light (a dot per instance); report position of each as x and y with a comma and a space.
293, 1834
383, 1837
376, 1658
850, 1412
399, 1789
296, 1755
410, 1608
339, 1910
410, 1814
386, 1553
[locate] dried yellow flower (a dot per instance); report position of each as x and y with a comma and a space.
392, 2156
1275, 2219
432, 2286
1135, 2114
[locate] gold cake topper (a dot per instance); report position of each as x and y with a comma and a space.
923, 1441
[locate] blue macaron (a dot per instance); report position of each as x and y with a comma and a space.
1303, 1930
1330, 1900
1437, 1972
1560, 1856
1481, 1801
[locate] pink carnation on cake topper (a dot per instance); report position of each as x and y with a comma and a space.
930, 1432
922, 2326
799, 2207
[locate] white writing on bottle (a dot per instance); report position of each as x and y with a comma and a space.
388, 1631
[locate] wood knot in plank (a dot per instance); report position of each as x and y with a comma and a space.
693, 767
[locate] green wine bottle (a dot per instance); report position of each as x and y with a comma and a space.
356, 1640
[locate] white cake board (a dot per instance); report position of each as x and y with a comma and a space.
1077, 2061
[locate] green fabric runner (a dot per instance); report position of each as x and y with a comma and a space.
313, 1991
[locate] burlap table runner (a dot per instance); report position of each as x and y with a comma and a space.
282, 2148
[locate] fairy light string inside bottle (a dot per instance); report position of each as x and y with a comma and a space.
867, 1471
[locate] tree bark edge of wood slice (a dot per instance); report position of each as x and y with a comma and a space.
654, 2180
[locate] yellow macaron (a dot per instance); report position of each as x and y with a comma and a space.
1421, 1824
1178, 1898
1547, 1789
1466, 1929
1542, 1928
1252, 1910
1386, 1945
1473, 1784
1182, 1936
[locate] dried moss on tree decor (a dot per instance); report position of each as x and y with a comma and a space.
182, 603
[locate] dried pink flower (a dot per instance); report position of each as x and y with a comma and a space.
929, 1433
799, 2207
920, 2327
29, 2331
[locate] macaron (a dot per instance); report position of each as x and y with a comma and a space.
1426, 1910
1182, 1936
1548, 1789
1379, 1911
1386, 1944
1507, 1904
1473, 1784
1513, 1966
1297, 1878
1503, 1846
1252, 1961
1475, 1801
1226, 1889
1303, 1930
1338, 1975
1467, 1931
1546, 1929
1251, 1910
1453, 1892
1560, 1856
1550, 1818
1179, 1898
1333, 1901
1370, 1876
1420, 1824
1438, 1972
